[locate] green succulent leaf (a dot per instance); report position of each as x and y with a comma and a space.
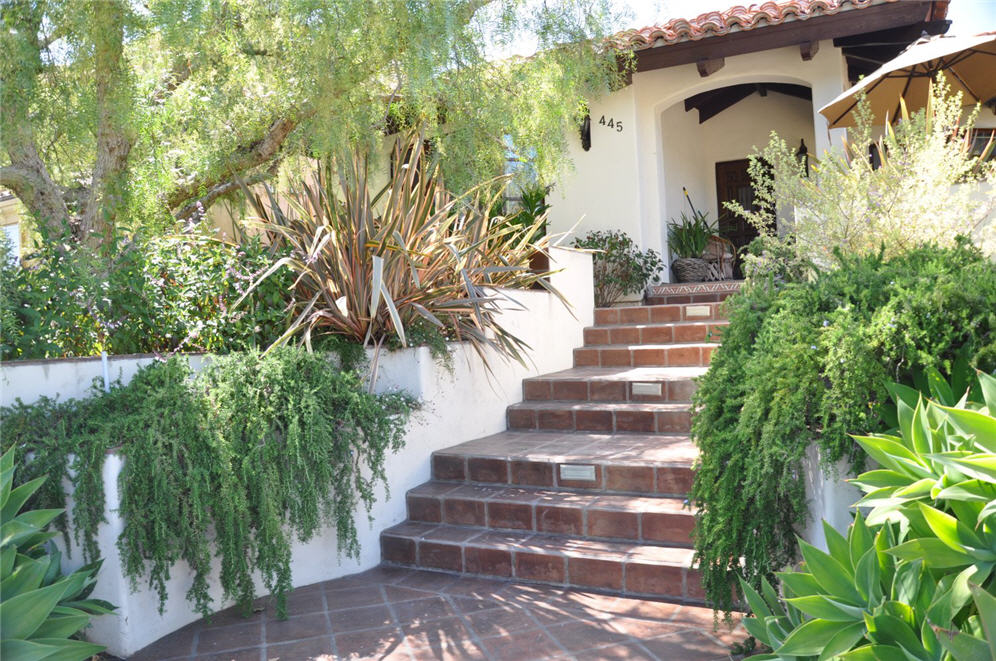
976, 424
933, 552
811, 638
832, 576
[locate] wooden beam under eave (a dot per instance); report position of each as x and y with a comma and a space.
809, 49
828, 26
709, 67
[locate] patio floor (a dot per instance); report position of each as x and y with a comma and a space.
389, 613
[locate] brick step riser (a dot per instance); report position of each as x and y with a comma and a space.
595, 390
644, 422
684, 299
670, 528
653, 334
676, 356
617, 576
670, 481
661, 314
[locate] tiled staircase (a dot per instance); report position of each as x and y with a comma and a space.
587, 486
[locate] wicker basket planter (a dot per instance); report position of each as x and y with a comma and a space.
690, 269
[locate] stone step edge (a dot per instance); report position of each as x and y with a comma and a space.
667, 522
485, 554
670, 479
607, 389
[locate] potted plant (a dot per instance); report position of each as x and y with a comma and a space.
688, 239
531, 205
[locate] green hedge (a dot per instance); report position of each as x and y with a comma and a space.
807, 363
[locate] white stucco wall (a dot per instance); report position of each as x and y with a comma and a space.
626, 181
691, 150
457, 407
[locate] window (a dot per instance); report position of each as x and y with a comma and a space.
980, 139
13, 235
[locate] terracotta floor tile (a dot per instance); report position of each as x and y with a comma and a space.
312, 649
372, 643
629, 652
422, 610
445, 630
522, 646
356, 619
580, 636
236, 636
295, 628
441, 616
501, 621
353, 598
250, 654
687, 646
179, 644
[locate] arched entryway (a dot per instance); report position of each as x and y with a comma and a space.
708, 137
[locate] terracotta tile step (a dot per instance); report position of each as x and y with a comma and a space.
621, 567
659, 464
645, 355
591, 515
615, 384
655, 314
681, 331
645, 417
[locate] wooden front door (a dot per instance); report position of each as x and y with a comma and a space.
733, 185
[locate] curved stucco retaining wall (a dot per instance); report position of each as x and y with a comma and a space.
458, 406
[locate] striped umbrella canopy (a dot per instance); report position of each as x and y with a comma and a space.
969, 64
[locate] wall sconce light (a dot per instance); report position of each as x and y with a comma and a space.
586, 132
802, 153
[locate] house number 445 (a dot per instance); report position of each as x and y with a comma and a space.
611, 123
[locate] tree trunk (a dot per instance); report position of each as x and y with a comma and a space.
108, 191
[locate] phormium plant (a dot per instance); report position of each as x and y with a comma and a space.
370, 263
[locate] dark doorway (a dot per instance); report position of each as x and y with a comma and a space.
733, 185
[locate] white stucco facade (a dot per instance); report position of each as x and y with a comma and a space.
632, 179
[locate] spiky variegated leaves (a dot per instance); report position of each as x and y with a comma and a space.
40, 609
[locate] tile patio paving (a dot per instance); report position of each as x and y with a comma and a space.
390, 613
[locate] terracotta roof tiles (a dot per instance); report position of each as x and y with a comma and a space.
734, 19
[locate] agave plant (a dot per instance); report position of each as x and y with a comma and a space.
40, 609
915, 578
369, 264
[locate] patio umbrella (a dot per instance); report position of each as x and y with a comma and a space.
968, 62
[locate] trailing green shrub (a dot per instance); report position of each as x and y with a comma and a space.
806, 363
158, 294
914, 579
254, 451
42, 611
620, 268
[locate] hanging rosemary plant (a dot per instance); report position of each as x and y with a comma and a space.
234, 463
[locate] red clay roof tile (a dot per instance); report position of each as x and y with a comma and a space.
734, 19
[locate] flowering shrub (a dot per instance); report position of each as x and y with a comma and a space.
930, 187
